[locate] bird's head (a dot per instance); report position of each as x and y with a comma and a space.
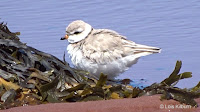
77, 31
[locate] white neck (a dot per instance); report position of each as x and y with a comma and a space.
81, 36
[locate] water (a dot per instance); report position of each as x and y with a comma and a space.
172, 25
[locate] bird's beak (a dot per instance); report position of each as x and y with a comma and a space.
65, 37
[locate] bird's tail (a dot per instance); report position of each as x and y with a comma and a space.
143, 50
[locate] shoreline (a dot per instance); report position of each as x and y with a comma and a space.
141, 104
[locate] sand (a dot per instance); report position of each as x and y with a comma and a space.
141, 104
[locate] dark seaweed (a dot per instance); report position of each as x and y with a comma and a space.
31, 77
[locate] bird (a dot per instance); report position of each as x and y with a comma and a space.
102, 50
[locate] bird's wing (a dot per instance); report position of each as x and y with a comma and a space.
106, 46
103, 46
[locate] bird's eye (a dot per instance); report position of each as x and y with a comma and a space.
77, 32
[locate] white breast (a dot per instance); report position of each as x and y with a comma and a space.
112, 69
